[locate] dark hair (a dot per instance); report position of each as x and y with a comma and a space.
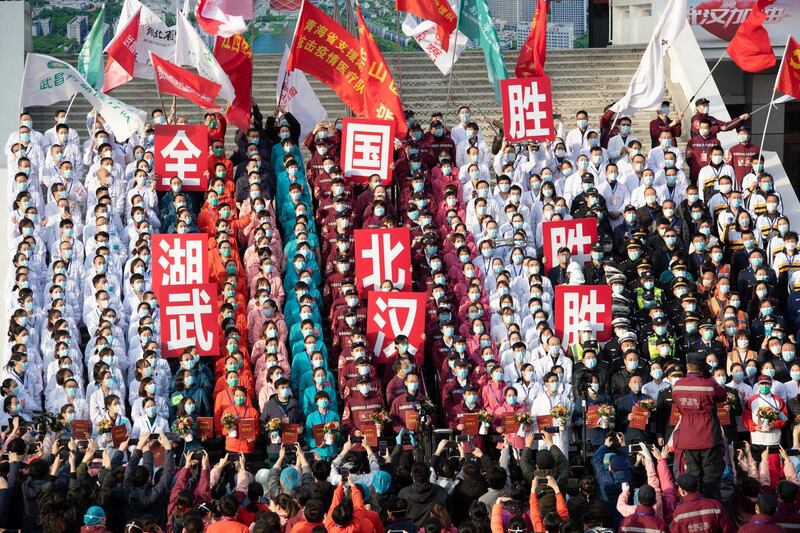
314, 510
192, 523
320, 470
420, 472
767, 504
228, 506
552, 522
342, 515
496, 477
255, 491
787, 491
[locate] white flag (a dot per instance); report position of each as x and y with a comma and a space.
424, 32
154, 36
48, 80
298, 98
646, 90
191, 50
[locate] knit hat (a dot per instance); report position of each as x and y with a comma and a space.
290, 478
544, 460
94, 516
382, 482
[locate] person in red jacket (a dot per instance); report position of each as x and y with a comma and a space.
664, 123
241, 411
698, 438
644, 519
347, 515
696, 513
764, 519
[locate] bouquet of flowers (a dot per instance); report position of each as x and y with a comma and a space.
730, 398
606, 411
330, 431
485, 419
274, 427
767, 414
560, 414
647, 403
380, 418
104, 426
524, 420
183, 427
228, 421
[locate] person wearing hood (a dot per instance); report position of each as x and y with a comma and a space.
611, 469
94, 521
142, 495
421, 494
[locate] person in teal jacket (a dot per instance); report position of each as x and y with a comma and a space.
305, 361
322, 415
317, 380
281, 150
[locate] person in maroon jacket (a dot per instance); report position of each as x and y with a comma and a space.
696, 513
788, 514
764, 519
699, 446
698, 149
701, 106
664, 123
644, 518
362, 402
740, 156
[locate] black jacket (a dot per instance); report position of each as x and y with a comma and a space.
148, 499
420, 497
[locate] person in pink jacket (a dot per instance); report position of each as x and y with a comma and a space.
510, 405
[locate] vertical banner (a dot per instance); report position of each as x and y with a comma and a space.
576, 303
396, 313
527, 109
382, 254
367, 149
577, 234
181, 151
236, 58
189, 318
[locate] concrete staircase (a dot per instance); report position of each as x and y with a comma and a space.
586, 79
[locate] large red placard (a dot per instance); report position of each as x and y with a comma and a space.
383, 254
575, 303
181, 151
396, 313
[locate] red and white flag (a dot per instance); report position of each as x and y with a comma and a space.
121, 52
174, 80
223, 18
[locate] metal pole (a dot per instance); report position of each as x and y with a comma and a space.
772, 98
453, 61
399, 63
689, 103
69, 107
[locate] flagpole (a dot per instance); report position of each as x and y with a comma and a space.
772, 98
475, 104
69, 107
689, 103
399, 62
453, 59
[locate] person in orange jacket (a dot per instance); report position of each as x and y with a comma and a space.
217, 126
241, 410
347, 516
209, 214
225, 399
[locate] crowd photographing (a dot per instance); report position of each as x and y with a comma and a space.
492, 425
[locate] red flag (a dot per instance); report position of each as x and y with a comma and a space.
122, 55
437, 11
236, 59
381, 99
177, 81
789, 73
530, 62
224, 18
750, 47
325, 50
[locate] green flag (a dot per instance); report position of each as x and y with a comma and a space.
475, 21
90, 59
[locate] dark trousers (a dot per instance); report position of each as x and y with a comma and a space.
707, 465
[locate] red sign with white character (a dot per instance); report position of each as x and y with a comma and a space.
383, 254
189, 318
179, 260
576, 303
392, 314
181, 151
577, 234
367, 149
527, 109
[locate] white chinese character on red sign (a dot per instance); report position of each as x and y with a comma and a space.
395, 316
527, 115
179, 155
573, 238
580, 307
367, 149
187, 315
182, 262
383, 253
